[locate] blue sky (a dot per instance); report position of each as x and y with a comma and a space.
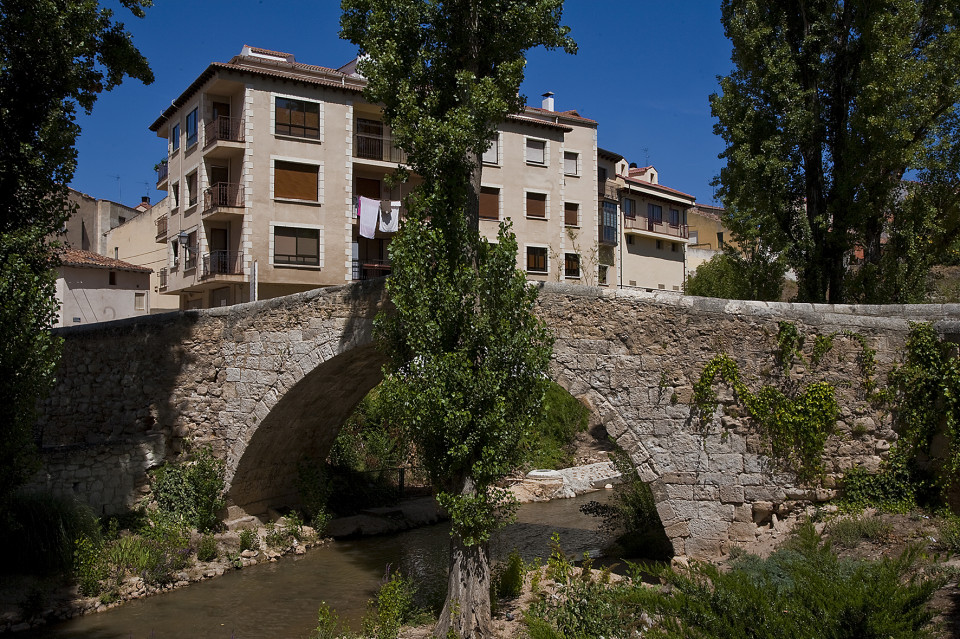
644, 71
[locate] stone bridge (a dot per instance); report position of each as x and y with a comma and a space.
268, 383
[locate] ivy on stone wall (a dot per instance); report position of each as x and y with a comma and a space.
794, 428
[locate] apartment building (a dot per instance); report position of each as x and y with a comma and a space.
267, 158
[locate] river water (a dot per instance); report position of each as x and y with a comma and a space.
280, 600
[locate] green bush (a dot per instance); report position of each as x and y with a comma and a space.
249, 540
950, 534
328, 623
190, 493
38, 531
849, 531
89, 568
392, 607
550, 442
898, 487
207, 550
507, 580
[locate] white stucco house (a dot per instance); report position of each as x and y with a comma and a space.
94, 288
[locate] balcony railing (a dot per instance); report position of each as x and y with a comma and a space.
664, 228
163, 277
222, 194
608, 190
377, 147
369, 269
222, 263
162, 229
223, 128
162, 171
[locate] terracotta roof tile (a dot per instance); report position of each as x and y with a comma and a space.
86, 259
538, 122
571, 114
659, 187
279, 54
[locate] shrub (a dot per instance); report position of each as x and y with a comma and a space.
848, 531
190, 493
950, 534
207, 550
38, 531
249, 540
392, 607
89, 569
896, 488
328, 623
549, 444
507, 580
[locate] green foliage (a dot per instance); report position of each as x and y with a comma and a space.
190, 492
61, 54
822, 344
550, 441
789, 344
328, 623
867, 361
739, 275
894, 489
950, 534
507, 581
826, 107
249, 540
795, 428
207, 550
38, 530
849, 531
88, 567
392, 607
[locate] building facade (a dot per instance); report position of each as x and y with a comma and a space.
94, 288
267, 159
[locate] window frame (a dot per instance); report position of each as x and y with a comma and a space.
566, 223
632, 213
193, 195
175, 138
670, 217
655, 213
576, 158
526, 151
499, 190
566, 266
546, 204
139, 301
292, 98
274, 225
303, 162
546, 258
192, 139
495, 147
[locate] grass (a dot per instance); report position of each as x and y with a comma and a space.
850, 531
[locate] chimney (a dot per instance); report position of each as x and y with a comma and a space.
145, 199
633, 165
548, 101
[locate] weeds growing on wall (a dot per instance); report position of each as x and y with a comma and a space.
191, 492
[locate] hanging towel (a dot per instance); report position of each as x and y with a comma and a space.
369, 211
390, 218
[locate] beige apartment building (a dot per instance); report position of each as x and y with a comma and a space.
267, 157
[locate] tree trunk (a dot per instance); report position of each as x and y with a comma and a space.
467, 609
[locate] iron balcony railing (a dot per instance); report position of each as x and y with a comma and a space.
370, 269
222, 263
163, 277
377, 147
162, 171
656, 226
223, 194
223, 128
162, 229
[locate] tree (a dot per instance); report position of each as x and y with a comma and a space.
55, 56
747, 273
467, 359
828, 106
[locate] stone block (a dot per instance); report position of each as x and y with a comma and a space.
709, 529
680, 491
706, 492
762, 511
743, 532
702, 549
731, 494
743, 512
679, 529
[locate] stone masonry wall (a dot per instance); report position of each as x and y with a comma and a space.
268, 383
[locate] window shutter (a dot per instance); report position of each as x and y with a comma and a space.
489, 203
295, 181
536, 205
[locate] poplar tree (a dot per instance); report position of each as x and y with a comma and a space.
467, 358
55, 56
829, 104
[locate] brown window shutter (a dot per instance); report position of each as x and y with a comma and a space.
367, 187
295, 181
536, 205
489, 203
571, 214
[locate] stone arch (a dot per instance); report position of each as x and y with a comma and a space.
303, 422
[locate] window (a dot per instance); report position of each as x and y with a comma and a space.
116, 252
191, 128
720, 239
571, 265
694, 237
176, 195
139, 301
629, 239
175, 137
296, 246
674, 217
536, 259
571, 214
295, 181
659, 244
174, 253
602, 275
674, 247
536, 151
192, 189
602, 174
492, 154
297, 118
608, 223
571, 162
655, 213
537, 205
190, 255
629, 207
112, 278
489, 203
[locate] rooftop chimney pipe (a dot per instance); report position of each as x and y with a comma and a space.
548, 101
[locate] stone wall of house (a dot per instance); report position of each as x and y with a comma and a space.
268, 383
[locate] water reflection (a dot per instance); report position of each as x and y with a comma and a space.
281, 599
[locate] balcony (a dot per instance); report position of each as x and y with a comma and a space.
162, 229
163, 279
163, 171
224, 129
608, 235
645, 226
608, 190
370, 269
373, 141
216, 263
223, 197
